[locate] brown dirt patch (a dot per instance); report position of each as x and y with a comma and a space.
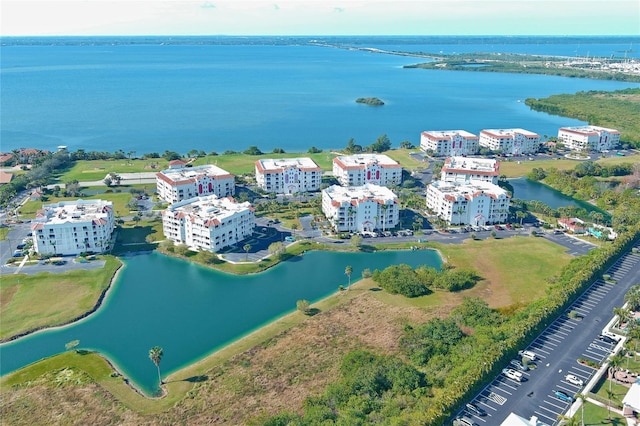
6, 295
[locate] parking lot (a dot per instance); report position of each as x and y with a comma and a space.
557, 350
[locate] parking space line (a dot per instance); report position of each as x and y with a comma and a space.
554, 338
502, 390
546, 417
551, 403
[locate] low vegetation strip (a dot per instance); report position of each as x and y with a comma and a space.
33, 302
618, 109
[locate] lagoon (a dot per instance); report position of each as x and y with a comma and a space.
191, 311
528, 190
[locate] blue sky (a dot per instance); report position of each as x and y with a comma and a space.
320, 17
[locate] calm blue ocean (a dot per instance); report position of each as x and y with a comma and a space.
157, 94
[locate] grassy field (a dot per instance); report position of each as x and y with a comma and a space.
32, 301
278, 366
89, 171
237, 164
514, 169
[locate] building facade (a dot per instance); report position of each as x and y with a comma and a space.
360, 169
362, 208
510, 141
466, 169
208, 223
449, 142
182, 183
73, 227
474, 203
288, 175
589, 138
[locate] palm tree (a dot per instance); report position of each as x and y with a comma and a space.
633, 297
246, 248
348, 271
155, 354
384, 208
614, 363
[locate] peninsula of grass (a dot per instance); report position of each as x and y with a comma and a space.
32, 302
292, 358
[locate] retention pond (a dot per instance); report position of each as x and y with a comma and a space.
191, 311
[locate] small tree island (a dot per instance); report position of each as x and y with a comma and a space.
370, 101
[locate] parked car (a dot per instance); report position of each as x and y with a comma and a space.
17, 253
512, 374
21, 246
518, 365
574, 380
464, 421
475, 409
611, 335
607, 339
563, 396
528, 354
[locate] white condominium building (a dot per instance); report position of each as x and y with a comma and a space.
510, 141
449, 142
359, 169
466, 169
208, 223
181, 183
473, 203
288, 175
360, 208
73, 227
589, 138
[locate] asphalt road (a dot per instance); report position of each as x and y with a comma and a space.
558, 347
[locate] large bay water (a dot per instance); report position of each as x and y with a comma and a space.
190, 311
156, 94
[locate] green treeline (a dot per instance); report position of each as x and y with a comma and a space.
619, 110
519, 64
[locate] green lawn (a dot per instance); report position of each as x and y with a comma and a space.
88, 171
596, 415
237, 164
141, 236
602, 390
501, 262
32, 301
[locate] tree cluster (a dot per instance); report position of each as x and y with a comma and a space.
403, 279
381, 144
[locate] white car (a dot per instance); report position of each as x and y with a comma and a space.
575, 380
528, 354
512, 374
611, 335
